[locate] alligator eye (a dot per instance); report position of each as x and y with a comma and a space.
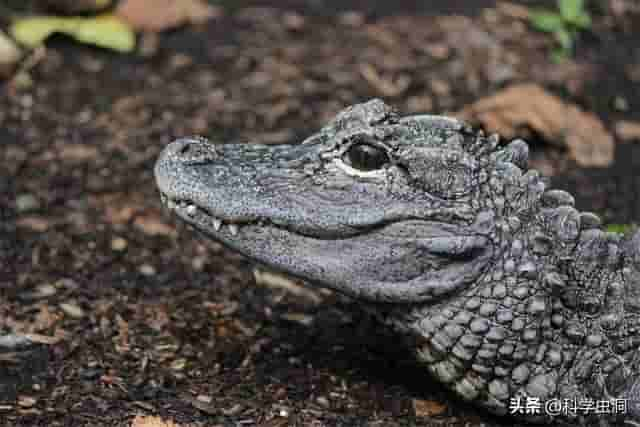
365, 157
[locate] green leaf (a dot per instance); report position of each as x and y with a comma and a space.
583, 21
570, 10
558, 56
547, 21
32, 32
619, 228
105, 31
565, 38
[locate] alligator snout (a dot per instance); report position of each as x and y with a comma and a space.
190, 151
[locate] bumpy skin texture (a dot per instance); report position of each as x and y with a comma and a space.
503, 288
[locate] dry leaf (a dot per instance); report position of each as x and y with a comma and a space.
384, 85
301, 318
78, 152
276, 280
159, 15
44, 339
156, 317
513, 10
524, 107
152, 224
428, 408
143, 421
10, 54
44, 320
35, 223
206, 407
119, 214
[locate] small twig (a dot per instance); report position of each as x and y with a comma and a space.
11, 357
30, 62
13, 341
34, 58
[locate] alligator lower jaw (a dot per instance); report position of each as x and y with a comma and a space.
454, 255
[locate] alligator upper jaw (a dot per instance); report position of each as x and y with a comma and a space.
447, 236
202, 220
221, 189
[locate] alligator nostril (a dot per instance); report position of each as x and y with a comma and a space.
185, 149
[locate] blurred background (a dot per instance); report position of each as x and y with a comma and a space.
136, 322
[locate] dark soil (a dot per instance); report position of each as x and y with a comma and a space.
152, 322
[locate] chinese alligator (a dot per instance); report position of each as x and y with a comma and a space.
505, 290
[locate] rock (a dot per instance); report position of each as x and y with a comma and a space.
27, 203
147, 270
323, 401
119, 244
72, 310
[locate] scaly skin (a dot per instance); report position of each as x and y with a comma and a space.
504, 289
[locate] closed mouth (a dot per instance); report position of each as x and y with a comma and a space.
197, 216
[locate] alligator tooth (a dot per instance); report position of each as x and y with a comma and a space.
191, 210
217, 224
233, 228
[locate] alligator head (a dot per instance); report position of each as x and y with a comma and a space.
393, 197
510, 290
